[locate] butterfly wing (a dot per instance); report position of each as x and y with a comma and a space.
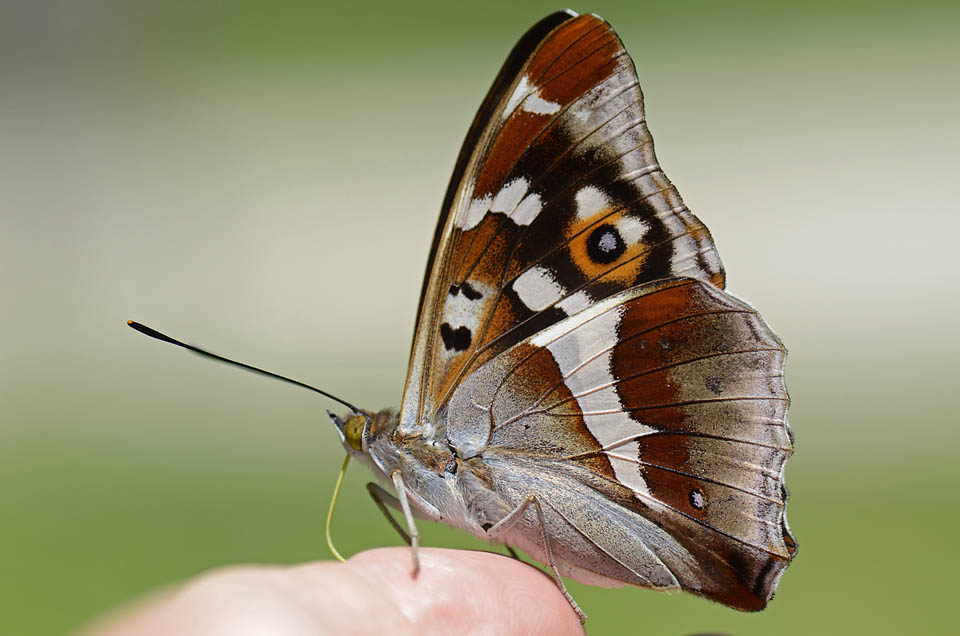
653, 427
557, 202
574, 330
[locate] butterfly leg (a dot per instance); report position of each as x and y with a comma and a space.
382, 498
408, 515
553, 565
511, 520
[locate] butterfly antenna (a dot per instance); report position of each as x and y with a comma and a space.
153, 333
333, 505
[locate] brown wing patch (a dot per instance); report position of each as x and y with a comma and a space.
480, 249
576, 57
749, 468
696, 361
585, 62
669, 304
565, 41
514, 138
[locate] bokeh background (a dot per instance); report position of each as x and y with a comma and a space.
264, 179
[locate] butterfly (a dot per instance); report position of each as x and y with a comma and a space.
580, 386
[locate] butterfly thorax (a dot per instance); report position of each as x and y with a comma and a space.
442, 484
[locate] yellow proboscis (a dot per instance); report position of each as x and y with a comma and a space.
333, 505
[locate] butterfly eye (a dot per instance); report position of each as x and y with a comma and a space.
353, 431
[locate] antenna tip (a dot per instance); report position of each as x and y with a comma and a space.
136, 326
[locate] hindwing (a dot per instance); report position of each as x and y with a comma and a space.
668, 399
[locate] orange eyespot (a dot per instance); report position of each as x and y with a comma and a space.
353, 431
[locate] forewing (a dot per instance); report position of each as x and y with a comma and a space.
668, 399
557, 202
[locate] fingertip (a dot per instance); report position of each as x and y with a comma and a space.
458, 590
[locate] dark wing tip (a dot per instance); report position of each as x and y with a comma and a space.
557, 17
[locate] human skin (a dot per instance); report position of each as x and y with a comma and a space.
374, 592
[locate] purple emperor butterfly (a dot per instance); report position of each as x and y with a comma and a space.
580, 385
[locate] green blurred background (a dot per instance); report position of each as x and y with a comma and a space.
264, 179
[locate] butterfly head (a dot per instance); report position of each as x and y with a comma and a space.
358, 428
